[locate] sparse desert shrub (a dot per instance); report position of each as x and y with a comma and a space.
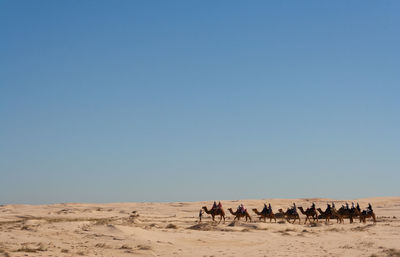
27, 249
143, 247
100, 245
333, 230
392, 252
3, 253
172, 226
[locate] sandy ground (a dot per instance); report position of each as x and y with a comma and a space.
172, 229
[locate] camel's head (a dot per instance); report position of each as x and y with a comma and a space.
204, 207
280, 210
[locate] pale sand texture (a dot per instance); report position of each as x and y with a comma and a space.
166, 229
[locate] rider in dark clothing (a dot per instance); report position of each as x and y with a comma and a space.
313, 206
358, 207
294, 210
269, 208
328, 208
265, 209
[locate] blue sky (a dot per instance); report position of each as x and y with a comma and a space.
104, 101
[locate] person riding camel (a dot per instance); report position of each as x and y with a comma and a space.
313, 206
269, 208
294, 208
333, 205
214, 205
265, 209
358, 207
369, 209
242, 209
219, 205
352, 205
347, 206
328, 208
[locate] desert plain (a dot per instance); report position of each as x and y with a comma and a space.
173, 229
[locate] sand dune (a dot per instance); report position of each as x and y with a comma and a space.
172, 229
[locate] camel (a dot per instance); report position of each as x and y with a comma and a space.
239, 214
337, 215
290, 214
332, 213
215, 212
265, 214
365, 214
349, 213
310, 212
325, 214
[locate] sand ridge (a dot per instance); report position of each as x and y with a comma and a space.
172, 229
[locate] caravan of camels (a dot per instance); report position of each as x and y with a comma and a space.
292, 214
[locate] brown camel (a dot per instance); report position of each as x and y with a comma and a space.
331, 213
337, 215
215, 212
290, 214
369, 213
238, 214
310, 213
325, 214
265, 214
349, 213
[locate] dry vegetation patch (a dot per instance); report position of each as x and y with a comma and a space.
392, 252
29, 249
171, 226
143, 247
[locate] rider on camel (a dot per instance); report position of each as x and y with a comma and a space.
265, 209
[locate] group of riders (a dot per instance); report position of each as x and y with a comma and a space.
240, 208
293, 210
329, 207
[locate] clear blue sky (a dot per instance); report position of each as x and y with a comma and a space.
104, 101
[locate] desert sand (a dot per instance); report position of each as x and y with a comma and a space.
172, 229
